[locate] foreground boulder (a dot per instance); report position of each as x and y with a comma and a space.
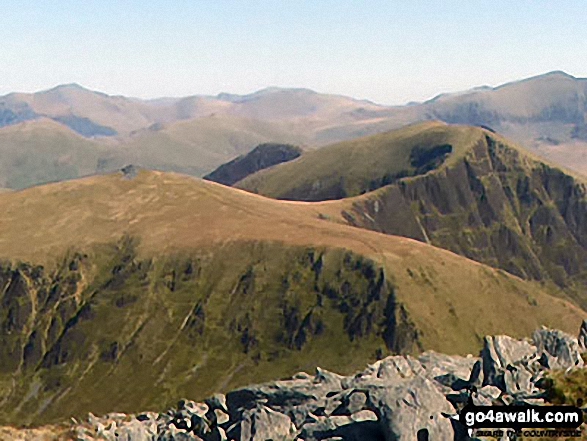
397, 398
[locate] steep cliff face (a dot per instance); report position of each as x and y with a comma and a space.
496, 206
121, 332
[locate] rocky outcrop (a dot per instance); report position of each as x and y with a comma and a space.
399, 397
583, 336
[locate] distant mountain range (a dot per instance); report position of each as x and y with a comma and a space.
85, 132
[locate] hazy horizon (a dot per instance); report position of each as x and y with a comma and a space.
251, 92
379, 51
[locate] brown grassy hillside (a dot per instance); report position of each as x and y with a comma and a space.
124, 293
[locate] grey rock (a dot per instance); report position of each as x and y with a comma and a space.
436, 364
129, 171
217, 401
502, 351
582, 340
476, 377
399, 397
359, 427
518, 380
408, 407
262, 424
220, 417
486, 396
557, 349
390, 370
352, 403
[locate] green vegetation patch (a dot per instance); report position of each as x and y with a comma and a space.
110, 331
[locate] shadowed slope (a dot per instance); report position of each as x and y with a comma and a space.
261, 157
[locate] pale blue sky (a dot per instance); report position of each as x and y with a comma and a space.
387, 51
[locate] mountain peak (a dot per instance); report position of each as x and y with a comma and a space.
69, 86
556, 73
72, 87
263, 92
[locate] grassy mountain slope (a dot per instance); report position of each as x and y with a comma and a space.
552, 97
293, 104
354, 167
200, 145
127, 293
44, 151
546, 114
71, 102
488, 200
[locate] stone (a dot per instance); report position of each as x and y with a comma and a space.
582, 340
359, 427
502, 351
518, 380
262, 424
476, 377
557, 349
220, 417
399, 397
436, 365
129, 171
217, 401
410, 406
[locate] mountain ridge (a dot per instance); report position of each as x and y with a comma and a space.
129, 284
486, 198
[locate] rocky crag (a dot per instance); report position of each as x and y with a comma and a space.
398, 397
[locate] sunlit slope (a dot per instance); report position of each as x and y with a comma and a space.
195, 134
44, 151
545, 114
162, 285
355, 167
200, 145
487, 199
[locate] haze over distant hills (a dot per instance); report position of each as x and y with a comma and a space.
546, 114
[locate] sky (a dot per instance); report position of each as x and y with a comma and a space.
390, 52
